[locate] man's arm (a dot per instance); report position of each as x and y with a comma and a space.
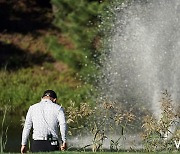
26, 131
23, 149
63, 146
63, 127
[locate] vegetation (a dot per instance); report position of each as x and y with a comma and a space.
75, 152
58, 47
78, 23
27, 90
101, 123
112, 118
4, 130
160, 135
60, 56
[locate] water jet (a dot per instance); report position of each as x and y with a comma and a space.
143, 54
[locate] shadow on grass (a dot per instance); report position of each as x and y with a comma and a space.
24, 16
13, 58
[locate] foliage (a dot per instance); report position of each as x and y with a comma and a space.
23, 85
4, 130
86, 152
160, 135
76, 59
111, 118
78, 22
23, 88
33, 68
77, 116
98, 122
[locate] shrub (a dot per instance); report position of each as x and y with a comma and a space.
160, 135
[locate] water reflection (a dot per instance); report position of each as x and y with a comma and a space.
14, 132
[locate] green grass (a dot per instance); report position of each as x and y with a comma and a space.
74, 152
24, 87
111, 152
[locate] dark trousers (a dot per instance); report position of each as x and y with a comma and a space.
44, 146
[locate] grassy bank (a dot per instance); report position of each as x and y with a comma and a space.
46, 52
24, 87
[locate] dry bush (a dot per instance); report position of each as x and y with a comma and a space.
110, 118
99, 121
160, 135
78, 116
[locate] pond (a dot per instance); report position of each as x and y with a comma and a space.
14, 133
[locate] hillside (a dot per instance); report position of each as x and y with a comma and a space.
24, 24
27, 65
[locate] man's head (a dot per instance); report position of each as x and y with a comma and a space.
50, 94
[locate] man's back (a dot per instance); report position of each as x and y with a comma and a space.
46, 117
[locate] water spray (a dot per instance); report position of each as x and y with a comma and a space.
142, 59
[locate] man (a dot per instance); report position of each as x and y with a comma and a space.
46, 117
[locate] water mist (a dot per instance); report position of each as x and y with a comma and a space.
143, 58
143, 55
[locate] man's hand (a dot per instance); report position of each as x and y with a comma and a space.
63, 146
23, 149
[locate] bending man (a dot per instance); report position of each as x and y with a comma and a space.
46, 118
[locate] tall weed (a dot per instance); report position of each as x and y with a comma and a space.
160, 135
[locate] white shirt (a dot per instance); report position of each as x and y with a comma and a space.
45, 117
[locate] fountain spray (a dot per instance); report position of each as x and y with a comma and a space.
143, 54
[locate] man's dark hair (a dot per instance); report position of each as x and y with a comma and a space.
50, 93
